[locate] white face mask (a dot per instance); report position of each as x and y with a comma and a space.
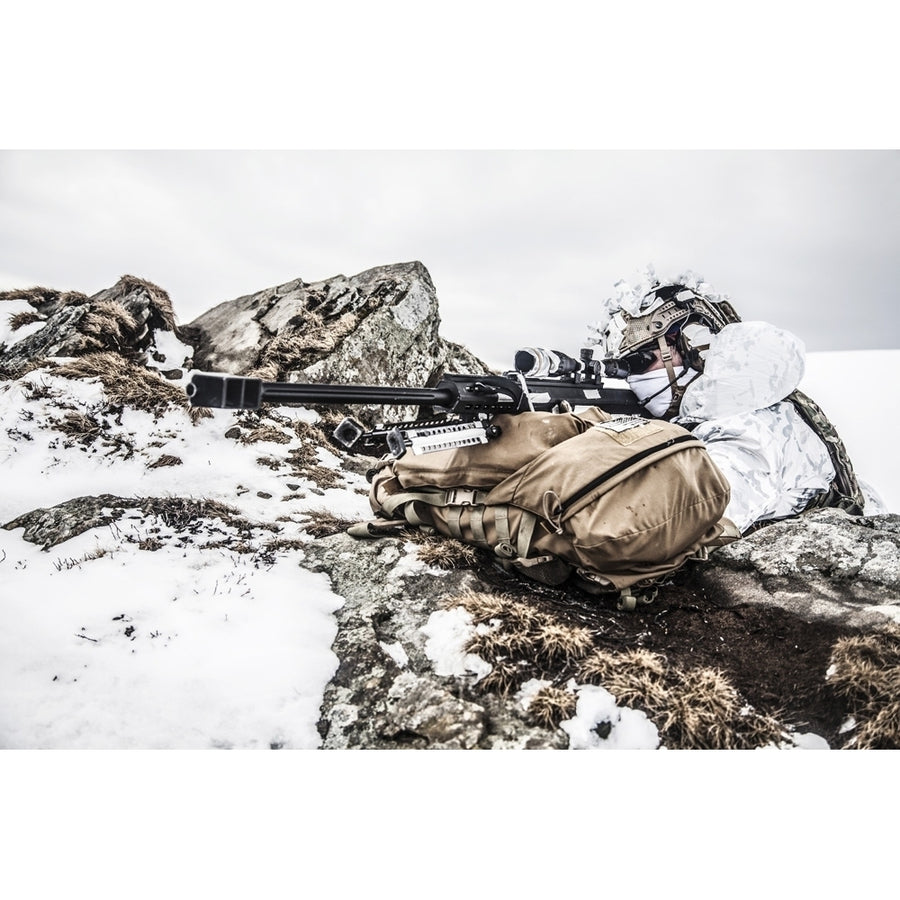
655, 385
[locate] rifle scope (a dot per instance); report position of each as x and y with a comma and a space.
539, 363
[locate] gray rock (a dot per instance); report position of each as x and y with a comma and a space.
122, 319
386, 693
823, 565
378, 327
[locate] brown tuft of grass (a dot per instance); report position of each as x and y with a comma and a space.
20, 320
867, 674
701, 709
633, 677
550, 706
78, 426
495, 645
503, 678
322, 523
180, 512
125, 383
265, 433
108, 325
444, 553
484, 607
558, 644
165, 460
693, 709
161, 304
42, 296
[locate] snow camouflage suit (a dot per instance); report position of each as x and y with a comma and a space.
774, 445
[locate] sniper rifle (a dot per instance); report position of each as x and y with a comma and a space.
460, 408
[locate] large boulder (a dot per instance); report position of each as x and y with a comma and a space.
378, 327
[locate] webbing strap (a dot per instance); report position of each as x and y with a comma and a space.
526, 531
450, 497
454, 514
501, 523
476, 523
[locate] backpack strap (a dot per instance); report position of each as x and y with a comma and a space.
844, 491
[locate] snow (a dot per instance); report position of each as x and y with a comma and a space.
107, 645
104, 645
447, 632
625, 729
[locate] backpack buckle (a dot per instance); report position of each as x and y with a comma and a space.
462, 497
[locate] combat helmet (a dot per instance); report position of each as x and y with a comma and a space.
660, 321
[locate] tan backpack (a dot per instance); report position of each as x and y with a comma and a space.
613, 500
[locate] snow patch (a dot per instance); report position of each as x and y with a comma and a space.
599, 724
447, 631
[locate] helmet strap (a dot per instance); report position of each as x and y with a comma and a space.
665, 353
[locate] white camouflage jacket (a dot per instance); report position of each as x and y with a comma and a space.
774, 462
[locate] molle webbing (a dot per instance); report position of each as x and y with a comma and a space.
844, 491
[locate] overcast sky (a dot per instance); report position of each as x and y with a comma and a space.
521, 245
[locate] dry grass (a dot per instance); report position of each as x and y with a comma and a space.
265, 433
322, 523
527, 638
550, 706
125, 383
165, 460
634, 677
485, 607
504, 678
41, 296
107, 325
866, 671
693, 709
180, 512
20, 320
161, 304
78, 426
443, 553
557, 644
307, 338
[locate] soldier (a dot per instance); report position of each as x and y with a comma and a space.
690, 359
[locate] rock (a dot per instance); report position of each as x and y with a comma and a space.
378, 327
823, 565
386, 692
55, 525
125, 319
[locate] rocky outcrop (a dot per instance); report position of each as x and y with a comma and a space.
378, 327
126, 319
824, 565
386, 693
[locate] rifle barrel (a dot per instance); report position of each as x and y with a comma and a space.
237, 392
276, 391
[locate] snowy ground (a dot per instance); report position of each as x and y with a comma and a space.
104, 644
